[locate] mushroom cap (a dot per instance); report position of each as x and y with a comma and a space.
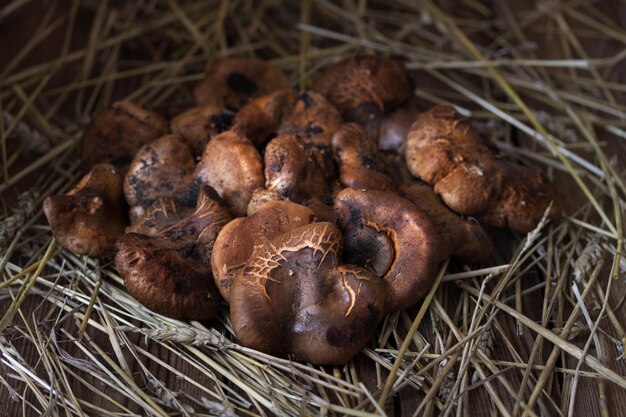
260, 119
170, 272
261, 197
294, 169
364, 87
161, 214
522, 200
232, 82
461, 238
294, 298
395, 126
162, 168
391, 234
236, 241
114, 135
312, 118
234, 168
444, 151
92, 216
198, 125
307, 115
356, 153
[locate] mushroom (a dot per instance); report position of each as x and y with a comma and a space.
162, 168
312, 118
237, 240
161, 214
232, 165
444, 151
260, 119
294, 297
92, 216
395, 126
170, 272
261, 197
390, 234
364, 88
356, 154
114, 135
307, 115
299, 172
198, 125
461, 238
232, 82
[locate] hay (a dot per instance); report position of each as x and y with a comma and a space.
536, 331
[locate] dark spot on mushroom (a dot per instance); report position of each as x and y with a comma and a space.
240, 83
187, 250
339, 337
306, 99
313, 130
374, 311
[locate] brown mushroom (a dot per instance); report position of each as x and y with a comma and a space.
392, 235
395, 126
198, 125
170, 272
299, 172
444, 151
364, 88
260, 119
356, 154
237, 240
92, 216
232, 82
307, 115
261, 197
162, 168
312, 118
232, 165
161, 214
116, 134
461, 238
293, 297
292, 169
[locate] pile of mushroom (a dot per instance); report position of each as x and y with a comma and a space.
312, 214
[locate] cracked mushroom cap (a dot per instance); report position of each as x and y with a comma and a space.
198, 125
114, 135
444, 151
162, 168
160, 215
461, 238
170, 272
356, 153
363, 88
234, 168
92, 216
390, 234
293, 297
232, 82
237, 240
